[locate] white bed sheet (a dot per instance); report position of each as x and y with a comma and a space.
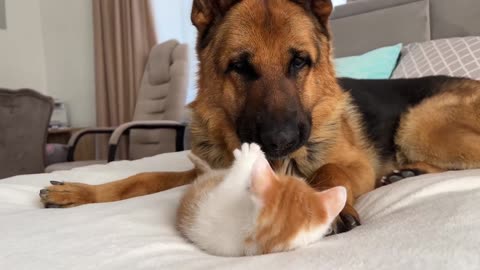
427, 222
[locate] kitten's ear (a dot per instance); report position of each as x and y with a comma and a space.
199, 164
262, 177
333, 200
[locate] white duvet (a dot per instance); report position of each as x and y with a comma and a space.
427, 222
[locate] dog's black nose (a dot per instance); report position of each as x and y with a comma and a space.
279, 142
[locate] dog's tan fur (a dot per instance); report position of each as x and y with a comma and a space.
443, 127
441, 133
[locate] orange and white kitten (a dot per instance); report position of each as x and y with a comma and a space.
249, 210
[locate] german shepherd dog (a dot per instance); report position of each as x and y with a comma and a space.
266, 75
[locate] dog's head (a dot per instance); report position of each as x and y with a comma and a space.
267, 65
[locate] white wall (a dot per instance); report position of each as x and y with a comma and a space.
48, 46
67, 30
22, 60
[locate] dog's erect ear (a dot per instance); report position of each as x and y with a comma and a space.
320, 8
205, 12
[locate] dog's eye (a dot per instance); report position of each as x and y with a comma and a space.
298, 63
239, 67
243, 68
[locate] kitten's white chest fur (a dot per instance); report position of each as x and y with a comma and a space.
226, 214
223, 222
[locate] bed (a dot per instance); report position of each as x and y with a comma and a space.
425, 222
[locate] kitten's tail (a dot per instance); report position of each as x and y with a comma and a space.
201, 165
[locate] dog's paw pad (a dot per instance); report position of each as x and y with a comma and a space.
57, 183
398, 175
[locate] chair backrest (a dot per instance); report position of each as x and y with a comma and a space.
162, 96
24, 118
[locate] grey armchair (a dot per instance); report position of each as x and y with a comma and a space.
157, 121
24, 118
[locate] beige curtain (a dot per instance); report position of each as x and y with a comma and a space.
124, 35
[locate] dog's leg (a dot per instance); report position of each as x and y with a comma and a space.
410, 170
65, 194
332, 175
444, 130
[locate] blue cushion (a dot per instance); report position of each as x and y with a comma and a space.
376, 64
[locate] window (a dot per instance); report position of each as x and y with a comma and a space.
172, 21
339, 2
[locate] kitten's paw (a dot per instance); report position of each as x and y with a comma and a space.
250, 151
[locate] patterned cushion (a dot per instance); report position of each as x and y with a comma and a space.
454, 56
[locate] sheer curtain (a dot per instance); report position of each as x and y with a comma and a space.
172, 21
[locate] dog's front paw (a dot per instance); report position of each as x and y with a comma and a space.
398, 175
63, 195
347, 220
